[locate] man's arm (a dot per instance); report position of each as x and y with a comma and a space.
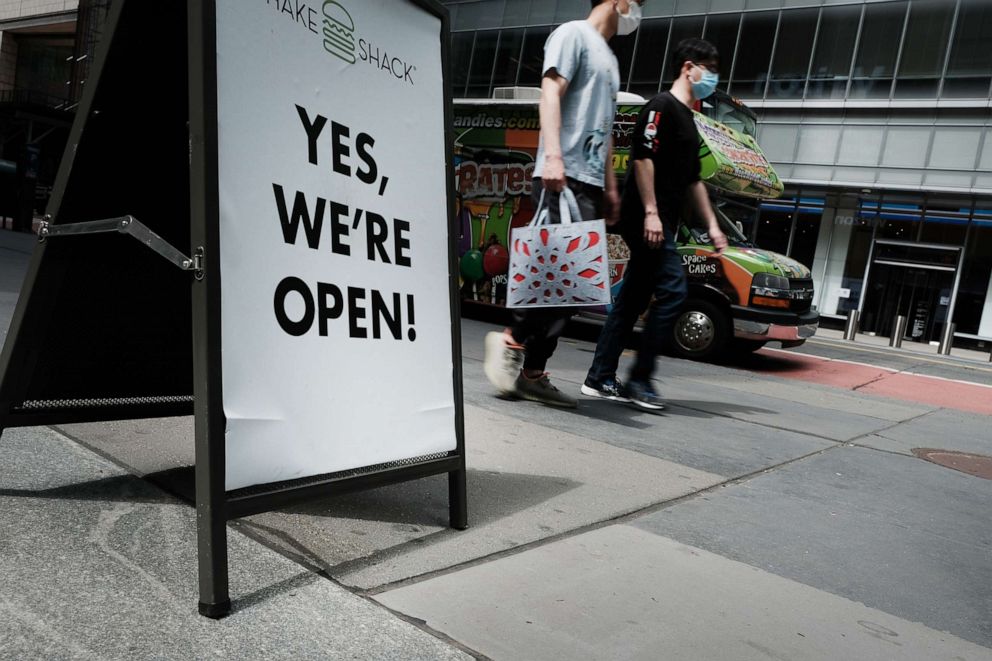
553, 89
611, 197
701, 201
654, 233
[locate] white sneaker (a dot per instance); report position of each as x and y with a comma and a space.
503, 361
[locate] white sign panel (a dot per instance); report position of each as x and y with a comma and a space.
336, 325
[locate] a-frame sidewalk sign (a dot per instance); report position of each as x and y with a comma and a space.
289, 172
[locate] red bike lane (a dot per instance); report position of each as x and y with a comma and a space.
877, 380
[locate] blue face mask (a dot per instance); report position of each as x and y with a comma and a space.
706, 84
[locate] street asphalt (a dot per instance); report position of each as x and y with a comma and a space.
775, 510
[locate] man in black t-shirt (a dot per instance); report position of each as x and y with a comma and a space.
662, 180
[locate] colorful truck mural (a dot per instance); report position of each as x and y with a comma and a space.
495, 145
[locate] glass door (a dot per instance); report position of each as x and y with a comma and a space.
916, 281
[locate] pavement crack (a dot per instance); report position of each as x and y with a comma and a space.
881, 432
617, 519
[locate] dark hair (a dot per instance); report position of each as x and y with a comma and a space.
596, 3
694, 50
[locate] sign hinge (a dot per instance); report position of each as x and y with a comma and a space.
133, 227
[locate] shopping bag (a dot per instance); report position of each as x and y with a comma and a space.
557, 265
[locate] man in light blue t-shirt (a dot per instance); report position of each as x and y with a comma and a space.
578, 103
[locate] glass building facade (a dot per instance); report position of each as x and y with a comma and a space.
876, 113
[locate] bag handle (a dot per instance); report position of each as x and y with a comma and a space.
568, 208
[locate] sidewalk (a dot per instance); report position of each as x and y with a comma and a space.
759, 517
907, 346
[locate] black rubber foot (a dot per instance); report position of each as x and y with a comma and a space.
215, 611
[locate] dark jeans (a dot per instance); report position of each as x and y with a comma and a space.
657, 272
538, 329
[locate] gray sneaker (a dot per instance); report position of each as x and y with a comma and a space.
542, 390
503, 360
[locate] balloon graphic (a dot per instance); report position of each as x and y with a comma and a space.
471, 266
496, 260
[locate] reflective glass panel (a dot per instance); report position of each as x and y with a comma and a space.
834, 47
652, 38
461, 55
532, 59
969, 71
481, 73
792, 53
875, 60
753, 54
924, 49
508, 57
682, 28
721, 31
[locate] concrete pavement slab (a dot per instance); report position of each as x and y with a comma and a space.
944, 429
526, 482
529, 483
897, 533
686, 433
622, 593
97, 564
814, 394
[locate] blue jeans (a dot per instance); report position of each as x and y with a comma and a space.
650, 271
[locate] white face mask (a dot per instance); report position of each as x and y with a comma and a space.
628, 22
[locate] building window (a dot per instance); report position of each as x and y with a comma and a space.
973, 292
802, 245
532, 58
652, 39
682, 28
508, 57
834, 46
946, 221
623, 48
480, 75
878, 46
899, 218
924, 49
754, 54
721, 31
775, 223
461, 57
43, 68
796, 32
969, 71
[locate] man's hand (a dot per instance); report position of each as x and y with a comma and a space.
611, 206
719, 239
654, 233
553, 175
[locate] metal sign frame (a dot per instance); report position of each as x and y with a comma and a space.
215, 505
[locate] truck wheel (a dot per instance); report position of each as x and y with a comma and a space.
701, 331
746, 346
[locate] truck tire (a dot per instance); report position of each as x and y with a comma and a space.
701, 332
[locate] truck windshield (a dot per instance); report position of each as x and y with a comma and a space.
729, 112
735, 237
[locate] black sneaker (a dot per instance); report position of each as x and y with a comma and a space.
643, 395
610, 389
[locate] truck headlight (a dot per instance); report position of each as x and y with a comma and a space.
769, 290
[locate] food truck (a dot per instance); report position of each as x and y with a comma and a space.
738, 300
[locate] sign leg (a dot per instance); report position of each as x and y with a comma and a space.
457, 500
211, 519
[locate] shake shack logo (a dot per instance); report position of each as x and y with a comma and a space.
339, 31
333, 23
